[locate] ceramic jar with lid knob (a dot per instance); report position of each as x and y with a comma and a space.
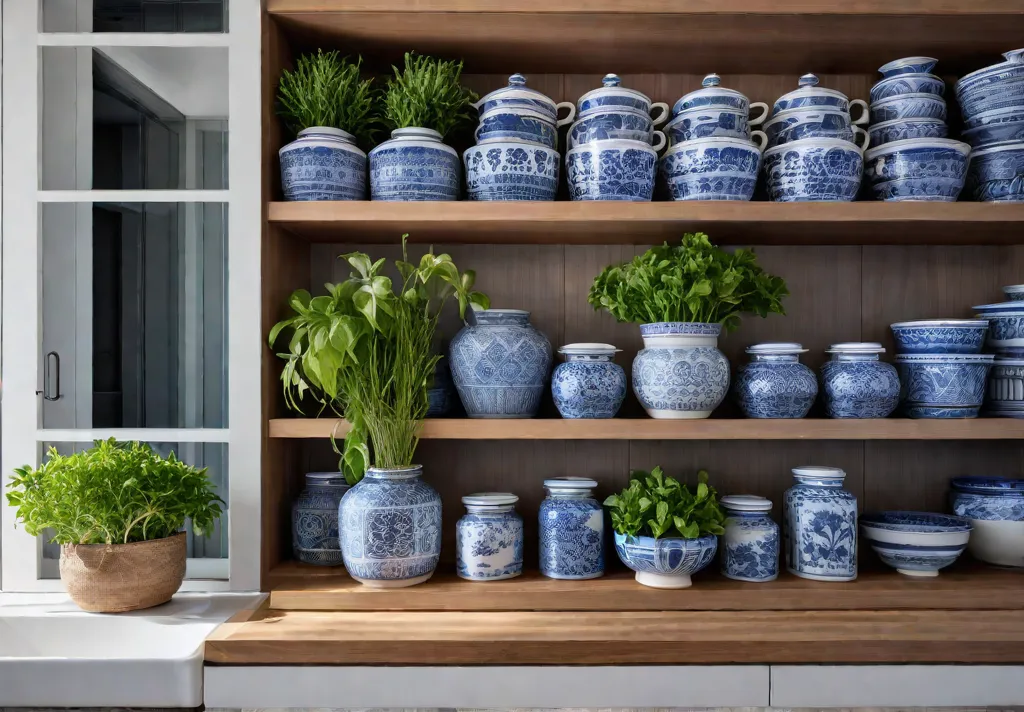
571, 530
808, 94
489, 538
612, 95
589, 384
750, 545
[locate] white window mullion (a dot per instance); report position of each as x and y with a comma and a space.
131, 196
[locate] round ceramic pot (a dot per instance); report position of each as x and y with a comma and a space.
414, 165
795, 124
323, 163
441, 393
707, 122
809, 94
918, 169
589, 384
907, 65
612, 95
1006, 388
820, 526
518, 96
489, 538
902, 129
996, 173
513, 124
750, 545
611, 170
992, 127
856, 384
813, 169
711, 169
984, 86
315, 519
995, 508
914, 83
1007, 94
1006, 329
391, 528
712, 95
571, 530
943, 385
680, 373
916, 543
908, 106
500, 364
668, 562
626, 124
775, 384
511, 170
940, 336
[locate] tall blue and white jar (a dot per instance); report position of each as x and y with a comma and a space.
315, 519
489, 538
323, 163
571, 530
414, 165
750, 545
391, 528
820, 526
589, 384
500, 364
775, 384
680, 373
856, 384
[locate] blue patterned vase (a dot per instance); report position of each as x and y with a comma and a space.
315, 519
571, 530
391, 528
680, 373
414, 165
323, 163
750, 545
820, 526
589, 384
775, 384
489, 539
856, 384
500, 364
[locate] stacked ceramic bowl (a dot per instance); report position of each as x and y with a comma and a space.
515, 157
815, 150
1006, 338
713, 153
916, 543
994, 506
992, 104
613, 147
910, 157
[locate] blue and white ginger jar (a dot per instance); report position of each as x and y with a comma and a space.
315, 519
775, 384
489, 539
589, 384
856, 384
571, 530
750, 545
414, 165
680, 373
323, 163
511, 170
820, 526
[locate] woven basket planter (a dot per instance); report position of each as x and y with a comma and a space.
113, 578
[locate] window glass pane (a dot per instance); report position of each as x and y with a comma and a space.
140, 15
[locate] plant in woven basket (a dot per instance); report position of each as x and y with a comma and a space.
426, 94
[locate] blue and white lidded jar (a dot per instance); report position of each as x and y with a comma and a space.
589, 384
315, 519
612, 95
571, 530
414, 164
820, 526
519, 96
323, 163
489, 539
775, 384
856, 384
680, 373
750, 545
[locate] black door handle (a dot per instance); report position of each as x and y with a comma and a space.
54, 358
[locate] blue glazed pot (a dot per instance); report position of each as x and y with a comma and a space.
323, 163
711, 169
612, 95
995, 508
928, 169
571, 525
391, 528
992, 87
916, 543
713, 95
856, 384
819, 529
908, 106
706, 122
940, 336
518, 96
627, 124
500, 364
414, 165
809, 94
813, 169
902, 129
996, 173
489, 539
589, 384
680, 373
516, 125
511, 170
943, 385
1006, 329
910, 83
315, 519
795, 124
775, 384
665, 563
750, 545
611, 170
907, 65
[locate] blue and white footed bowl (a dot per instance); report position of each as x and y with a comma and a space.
908, 65
680, 373
795, 124
943, 385
819, 529
928, 169
907, 84
519, 96
390, 528
996, 173
589, 384
775, 384
916, 543
571, 526
323, 163
908, 106
315, 519
902, 129
705, 122
489, 538
612, 95
414, 165
665, 563
511, 170
995, 508
500, 364
713, 95
940, 336
611, 170
627, 124
856, 384
514, 124
750, 545
813, 169
809, 94
711, 169
992, 127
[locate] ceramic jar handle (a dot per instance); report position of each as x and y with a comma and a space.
568, 117
760, 139
861, 138
764, 113
863, 118
662, 117
658, 141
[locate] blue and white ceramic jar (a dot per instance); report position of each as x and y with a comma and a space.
705, 122
627, 124
808, 94
571, 530
612, 95
994, 87
711, 169
500, 364
680, 373
511, 170
775, 384
315, 519
589, 384
820, 526
943, 385
940, 336
856, 384
391, 528
750, 545
814, 169
919, 169
613, 169
519, 96
414, 165
489, 538
995, 508
996, 173
666, 562
323, 163
713, 95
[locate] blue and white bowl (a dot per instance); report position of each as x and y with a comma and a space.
940, 336
992, 127
705, 122
611, 170
665, 563
908, 106
993, 87
902, 129
612, 95
323, 163
908, 65
813, 169
589, 384
996, 173
511, 170
942, 385
814, 122
711, 169
713, 95
1005, 328
624, 124
916, 543
809, 94
995, 508
414, 165
517, 95
514, 124
928, 169
907, 84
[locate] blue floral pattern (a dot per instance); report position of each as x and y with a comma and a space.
628, 125
751, 547
511, 171
948, 382
809, 124
1006, 331
939, 339
925, 169
820, 169
1009, 508
686, 379
323, 166
611, 170
588, 386
315, 520
513, 124
571, 538
489, 546
705, 122
997, 173
859, 388
711, 171
821, 531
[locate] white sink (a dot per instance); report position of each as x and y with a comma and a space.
52, 654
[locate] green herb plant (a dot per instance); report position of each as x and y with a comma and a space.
113, 493
657, 505
693, 282
426, 93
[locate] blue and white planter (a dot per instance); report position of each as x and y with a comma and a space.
489, 538
511, 170
902, 129
713, 95
919, 169
414, 165
612, 95
996, 173
775, 384
626, 124
750, 545
571, 530
809, 94
899, 85
519, 96
796, 124
706, 122
855, 384
589, 384
943, 385
680, 373
820, 526
315, 519
665, 563
916, 543
940, 336
908, 65
391, 528
611, 170
814, 169
711, 169
995, 508
323, 163
908, 106
516, 125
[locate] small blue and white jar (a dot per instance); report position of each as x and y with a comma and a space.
680, 373
323, 163
589, 384
315, 519
820, 526
856, 384
489, 538
775, 384
750, 545
414, 165
571, 530
808, 94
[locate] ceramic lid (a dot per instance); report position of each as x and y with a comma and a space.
516, 88
776, 347
526, 111
944, 358
490, 499
856, 347
1013, 289
324, 477
905, 143
802, 111
712, 141
908, 65
994, 486
1013, 66
818, 472
612, 85
808, 86
938, 323
899, 98
1010, 306
711, 86
597, 349
746, 503
914, 522
573, 483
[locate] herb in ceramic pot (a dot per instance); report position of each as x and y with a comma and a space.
426, 94
659, 506
691, 282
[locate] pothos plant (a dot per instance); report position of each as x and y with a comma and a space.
426, 93
365, 350
657, 505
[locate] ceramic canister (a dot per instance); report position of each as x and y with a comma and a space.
856, 384
995, 508
713, 95
611, 169
414, 165
775, 384
750, 545
323, 163
315, 519
820, 526
808, 94
489, 538
518, 95
571, 530
589, 384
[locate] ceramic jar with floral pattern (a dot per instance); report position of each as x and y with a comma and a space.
571, 530
315, 519
489, 538
820, 526
589, 384
750, 545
